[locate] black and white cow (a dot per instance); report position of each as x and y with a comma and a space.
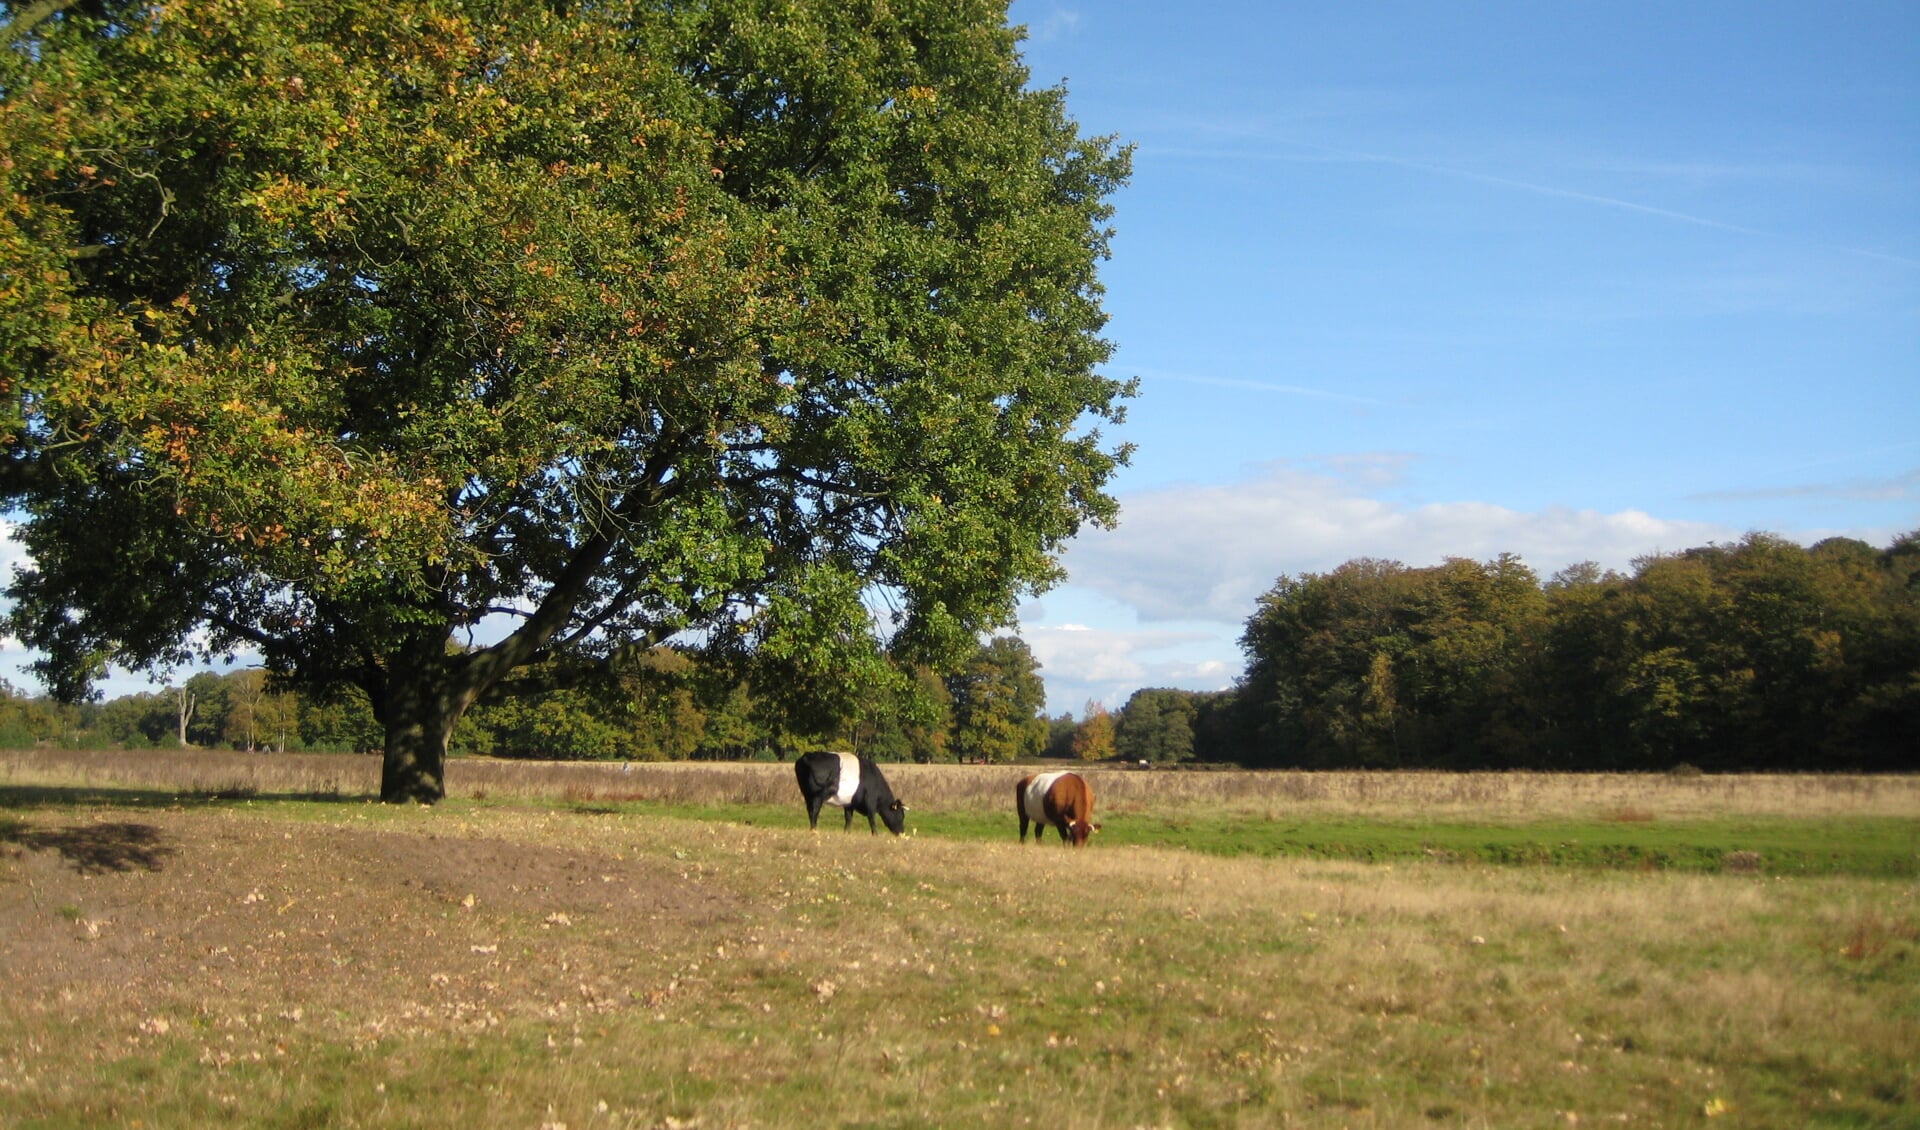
853, 783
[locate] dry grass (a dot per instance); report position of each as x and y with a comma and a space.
1486, 797
362, 965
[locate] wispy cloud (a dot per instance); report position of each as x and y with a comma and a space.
1893, 489
1274, 387
1304, 152
1057, 23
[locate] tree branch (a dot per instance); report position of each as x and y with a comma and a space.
546, 620
34, 15
244, 631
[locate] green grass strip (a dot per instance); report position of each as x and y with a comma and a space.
1877, 847
1884, 847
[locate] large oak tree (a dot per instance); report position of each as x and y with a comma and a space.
341, 330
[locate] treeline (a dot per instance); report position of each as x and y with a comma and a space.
1761, 655
664, 704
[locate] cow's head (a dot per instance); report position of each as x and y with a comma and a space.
1082, 831
894, 816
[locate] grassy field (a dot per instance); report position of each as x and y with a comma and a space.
217, 939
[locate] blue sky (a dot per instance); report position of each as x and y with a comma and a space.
1573, 281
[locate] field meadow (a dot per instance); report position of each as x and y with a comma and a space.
247, 940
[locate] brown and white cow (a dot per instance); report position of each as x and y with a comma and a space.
1060, 799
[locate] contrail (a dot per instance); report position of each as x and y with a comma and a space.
1358, 157
1264, 386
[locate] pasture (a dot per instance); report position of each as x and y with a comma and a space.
225, 939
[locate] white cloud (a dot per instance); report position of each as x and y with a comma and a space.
1057, 23
1081, 663
1206, 553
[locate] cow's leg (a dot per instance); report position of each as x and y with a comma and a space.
847, 825
872, 828
814, 805
1023, 826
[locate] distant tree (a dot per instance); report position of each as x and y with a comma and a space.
1582, 644
1060, 730
560, 725
209, 721
26, 720
1310, 645
359, 323
1878, 727
734, 730
1764, 654
1156, 725
1093, 739
998, 699
1220, 727
341, 721
135, 721
655, 691
277, 720
907, 722
1459, 695
246, 694
1759, 654
184, 703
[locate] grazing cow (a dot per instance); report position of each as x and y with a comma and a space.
853, 783
1061, 799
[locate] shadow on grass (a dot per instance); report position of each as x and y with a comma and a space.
59, 796
95, 849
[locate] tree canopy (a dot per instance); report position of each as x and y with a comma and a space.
1757, 655
342, 331
1156, 725
998, 699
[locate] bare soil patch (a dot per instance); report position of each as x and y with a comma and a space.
219, 913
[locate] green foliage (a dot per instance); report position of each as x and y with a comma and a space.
1761, 654
1156, 725
640, 708
340, 722
25, 721
138, 720
907, 718
359, 323
208, 721
998, 700
664, 704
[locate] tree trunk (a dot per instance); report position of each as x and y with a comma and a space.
184, 700
426, 690
419, 715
